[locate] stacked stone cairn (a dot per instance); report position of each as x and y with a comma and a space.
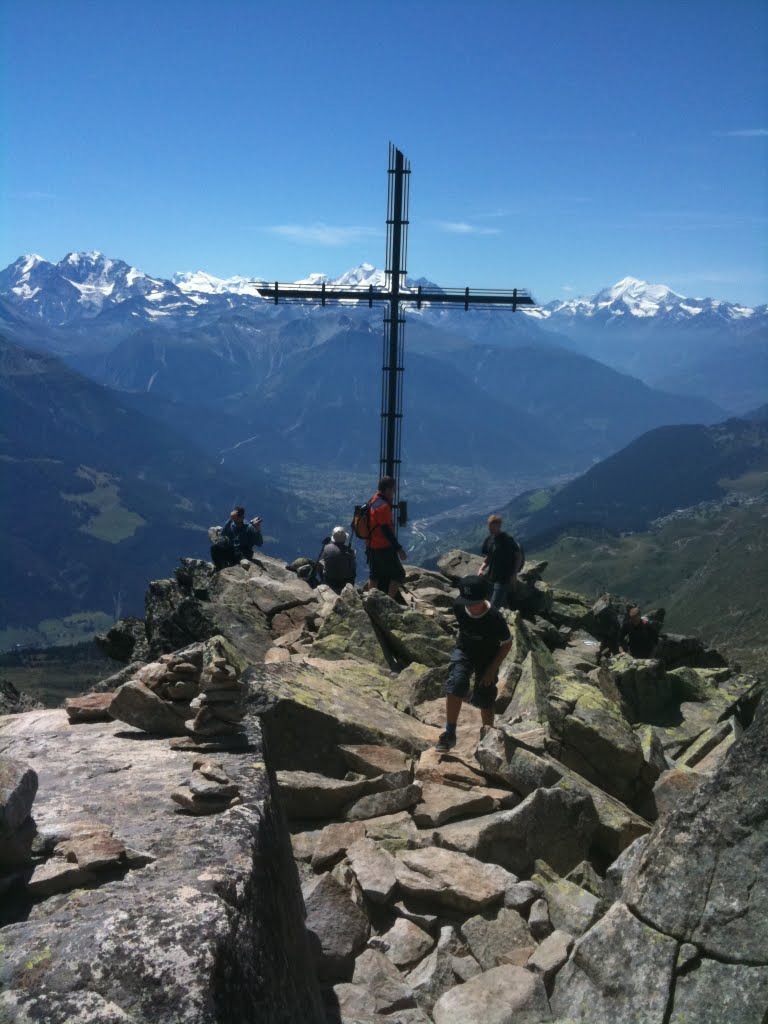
219, 706
209, 790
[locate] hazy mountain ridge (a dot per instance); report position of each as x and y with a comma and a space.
664, 469
100, 497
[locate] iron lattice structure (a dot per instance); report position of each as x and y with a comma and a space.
396, 295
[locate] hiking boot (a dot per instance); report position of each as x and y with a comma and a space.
445, 743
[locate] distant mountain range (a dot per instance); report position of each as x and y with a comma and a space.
178, 396
87, 305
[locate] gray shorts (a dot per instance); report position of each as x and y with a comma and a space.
459, 680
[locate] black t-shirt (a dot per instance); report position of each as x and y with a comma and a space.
503, 554
641, 639
480, 638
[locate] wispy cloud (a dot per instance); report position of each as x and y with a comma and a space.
461, 227
745, 133
320, 233
568, 288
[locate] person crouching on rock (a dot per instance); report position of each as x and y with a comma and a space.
338, 561
481, 646
237, 539
639, 635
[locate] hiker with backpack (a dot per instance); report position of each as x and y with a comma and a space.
338, 560
237, 539
373, 523
482, 644
504, 558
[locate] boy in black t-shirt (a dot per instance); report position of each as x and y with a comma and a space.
482, 644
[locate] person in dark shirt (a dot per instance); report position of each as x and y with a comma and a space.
482, 645
237, 539
338, 560
639, 635
383, 550
503, 561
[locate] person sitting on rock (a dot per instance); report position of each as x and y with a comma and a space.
338, 561
237, 539
639, 635
503, 561
482, 645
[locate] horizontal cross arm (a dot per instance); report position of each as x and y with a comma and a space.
466, 297
321, 293
458, 296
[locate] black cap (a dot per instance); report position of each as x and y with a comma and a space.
473, 589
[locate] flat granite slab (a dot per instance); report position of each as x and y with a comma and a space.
209, 929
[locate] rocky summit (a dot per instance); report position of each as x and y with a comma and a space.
249, 822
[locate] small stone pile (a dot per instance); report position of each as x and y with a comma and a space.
209, 789
85, 854
218, 708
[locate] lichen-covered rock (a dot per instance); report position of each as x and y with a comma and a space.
700, 876
504, 995
347, 632
337, 928
440, 804
379, 976
410, 635
571, 908
405, 943
374, 869
179, 941
489, 937
502, 755
621, 970
595, 739
551, 955
307, 716
550, 822
136, 705
384, 802
444, 878
311, 795
455, 564
712, 992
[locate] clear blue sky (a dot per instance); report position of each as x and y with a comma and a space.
556, 145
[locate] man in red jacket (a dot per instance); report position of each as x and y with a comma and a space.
382, 548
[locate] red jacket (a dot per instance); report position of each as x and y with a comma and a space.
382, 529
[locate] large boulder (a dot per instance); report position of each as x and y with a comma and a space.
700, 876
551, 823
593, 737
347, 632
306, 716
137, 705
199, 912
410, 635
620, 970
337, 928
503, 995
452, 880
455, 564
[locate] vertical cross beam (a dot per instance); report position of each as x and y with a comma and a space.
394, 322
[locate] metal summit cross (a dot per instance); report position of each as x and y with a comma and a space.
396, 294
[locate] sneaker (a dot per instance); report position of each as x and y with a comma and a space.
445, 743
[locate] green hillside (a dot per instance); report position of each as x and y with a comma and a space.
707, 567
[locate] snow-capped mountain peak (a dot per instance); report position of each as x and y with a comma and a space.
632, 291
201, 282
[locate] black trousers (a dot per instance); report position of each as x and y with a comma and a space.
224, 555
